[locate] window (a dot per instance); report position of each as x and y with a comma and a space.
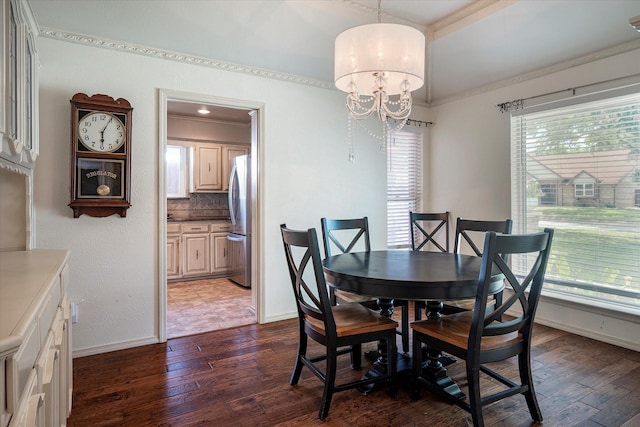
574, 169
584, 190
404, 176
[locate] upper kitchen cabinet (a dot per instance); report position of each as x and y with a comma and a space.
229, 152
207, 170
18, 84
18, 124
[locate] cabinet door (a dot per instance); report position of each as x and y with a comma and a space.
197, 261
173, 257
206, 169
229, 152
220, 252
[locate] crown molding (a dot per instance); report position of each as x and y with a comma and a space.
181, 57
541, 72
292, 78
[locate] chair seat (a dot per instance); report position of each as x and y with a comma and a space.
350, 297
462, 304
454, 329
354, 319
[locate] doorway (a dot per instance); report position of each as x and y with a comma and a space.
189, 304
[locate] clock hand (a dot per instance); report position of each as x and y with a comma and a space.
102, 133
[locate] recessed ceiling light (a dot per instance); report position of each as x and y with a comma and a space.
203, 110
635, 22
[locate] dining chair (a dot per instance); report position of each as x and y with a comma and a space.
427, 233
336, 327
335, 235
480, 337
426, 230
469, 233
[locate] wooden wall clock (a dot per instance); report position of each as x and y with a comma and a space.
100, 155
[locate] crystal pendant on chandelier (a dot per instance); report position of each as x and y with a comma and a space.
378, 65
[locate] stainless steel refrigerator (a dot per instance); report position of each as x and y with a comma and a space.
239, 238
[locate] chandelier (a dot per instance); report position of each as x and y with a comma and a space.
378, 65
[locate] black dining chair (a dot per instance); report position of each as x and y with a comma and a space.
336, 327
346, 235
470, 233
480, 336
429, 231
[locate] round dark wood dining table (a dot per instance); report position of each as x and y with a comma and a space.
408, 275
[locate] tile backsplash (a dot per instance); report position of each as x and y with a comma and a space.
199, 205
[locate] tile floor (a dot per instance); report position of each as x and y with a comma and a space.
205, 305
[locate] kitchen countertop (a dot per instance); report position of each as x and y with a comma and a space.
198, 219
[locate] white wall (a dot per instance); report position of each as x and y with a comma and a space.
469, 175
305, 175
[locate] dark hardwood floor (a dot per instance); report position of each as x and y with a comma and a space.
240, 377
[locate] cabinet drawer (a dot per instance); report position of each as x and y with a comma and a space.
29, 411
220, 227
173, 228
195, 228
20, 365
49, 309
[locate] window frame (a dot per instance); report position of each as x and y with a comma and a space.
593, 294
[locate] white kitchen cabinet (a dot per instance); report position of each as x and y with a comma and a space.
173, 257
197, 258
197, 249
219, 252
229, 152
19, 84
219, 247
37, 371
174, 251
206, 168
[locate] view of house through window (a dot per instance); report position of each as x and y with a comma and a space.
404, 176
576, 169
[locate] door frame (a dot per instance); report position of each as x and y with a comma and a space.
164, 96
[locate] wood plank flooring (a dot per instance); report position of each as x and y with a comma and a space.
205, 305
240, 377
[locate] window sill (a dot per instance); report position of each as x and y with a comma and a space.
589, 305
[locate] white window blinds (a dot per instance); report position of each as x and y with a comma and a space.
404, 176
576, 169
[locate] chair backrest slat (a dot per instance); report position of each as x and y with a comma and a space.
536, 246
302, 253
429, 227
464, 226
356, 230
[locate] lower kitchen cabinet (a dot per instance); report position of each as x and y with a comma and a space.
173, 257
197, 249
220, 252
197, 259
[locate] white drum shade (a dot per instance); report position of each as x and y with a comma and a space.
395, 50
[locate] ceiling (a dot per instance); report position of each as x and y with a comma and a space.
470, 44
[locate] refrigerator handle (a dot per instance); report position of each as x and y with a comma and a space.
232, 189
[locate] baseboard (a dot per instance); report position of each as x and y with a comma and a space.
90, 351
589, 333
281, 316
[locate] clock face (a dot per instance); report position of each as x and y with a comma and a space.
101, 132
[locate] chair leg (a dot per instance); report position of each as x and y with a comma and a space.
475, 401
526, 378
356, 356
416, 367
302, 351
329, 383
405, 327
392, 365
